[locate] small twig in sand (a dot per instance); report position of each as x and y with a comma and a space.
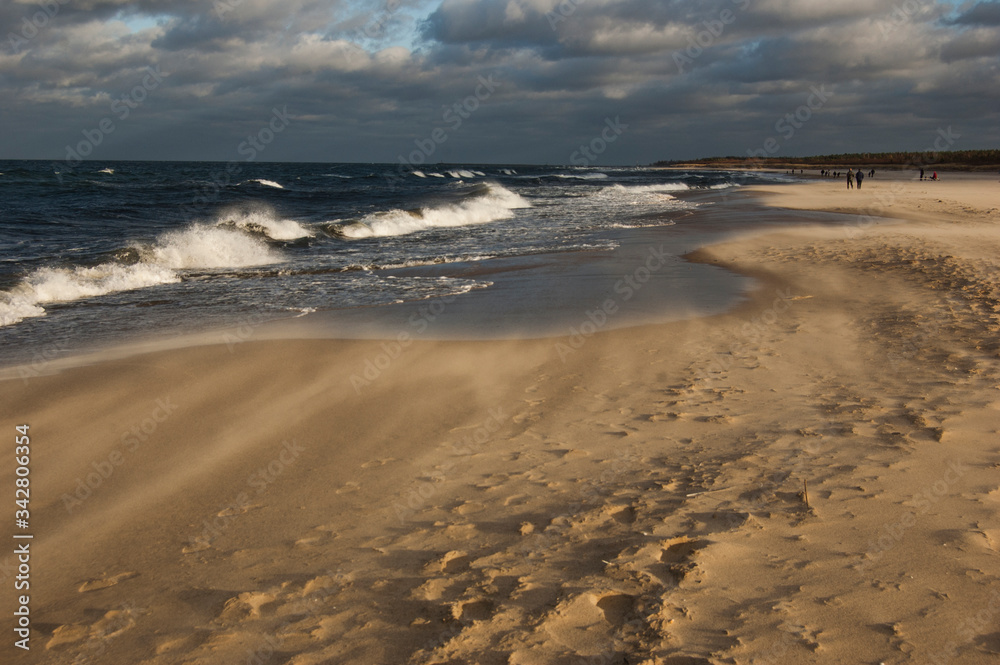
721, 489
805, 492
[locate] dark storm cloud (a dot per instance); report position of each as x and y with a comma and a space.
983, 13
364, 80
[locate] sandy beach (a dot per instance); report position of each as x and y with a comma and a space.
812, 477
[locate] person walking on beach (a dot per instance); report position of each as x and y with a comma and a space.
850, 179
860, 176
921, 174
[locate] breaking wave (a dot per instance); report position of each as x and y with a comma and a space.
263, 182
197, 247
265, 222
485, 204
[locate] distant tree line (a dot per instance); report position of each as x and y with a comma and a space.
956, 159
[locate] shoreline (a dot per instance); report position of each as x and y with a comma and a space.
538, 295
810, 476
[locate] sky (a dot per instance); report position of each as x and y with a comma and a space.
584, 82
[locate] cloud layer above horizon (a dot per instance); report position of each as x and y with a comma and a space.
495, 80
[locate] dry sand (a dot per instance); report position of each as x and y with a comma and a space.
631, 496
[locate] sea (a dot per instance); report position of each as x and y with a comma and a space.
100, 253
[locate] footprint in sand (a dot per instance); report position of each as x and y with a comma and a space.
478, 609
451, 562
624, 516
247, 605
469, 508
197, 545
317, 536
431, 590
105, 582
382, 461
183, 643
67, 634
677, 555
112, 624
585, 624
616, 607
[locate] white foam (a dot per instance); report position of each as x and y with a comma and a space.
266, 183
641, 193
497, 203
108, 171
62, 284
641, 224
264, 220
420, 174
581, 176
201, 246
662, 187
49, 285
196, 247
436, 175
14, 309
413, 263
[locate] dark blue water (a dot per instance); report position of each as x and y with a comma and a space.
105, 252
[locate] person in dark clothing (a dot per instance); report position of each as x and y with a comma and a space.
860, 175
850, 179
921, 174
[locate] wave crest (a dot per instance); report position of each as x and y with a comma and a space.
265, 222
490, 203
262, 182
199, 246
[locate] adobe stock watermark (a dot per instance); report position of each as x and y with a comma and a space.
420, 321
243, 330
587, 154
42, 359
593, 494
258, 481
893, 533
375, 29
309, 604
562, 11
705, 39
901, 14
625, 288
120, 620
973, 626
131, 440
249, 148
34, 23
121, 108
454, 116
418, 496
886, 197
789, 124
750, 333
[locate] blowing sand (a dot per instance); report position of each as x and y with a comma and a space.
811, 478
